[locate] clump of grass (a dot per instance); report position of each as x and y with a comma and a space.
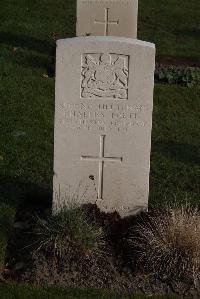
187, 76
71, 226
168, 243
72, 249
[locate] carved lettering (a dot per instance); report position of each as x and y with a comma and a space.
102, 117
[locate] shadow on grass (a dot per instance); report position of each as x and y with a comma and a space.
189, 154
185, 33
30, 60
19, 201
15, 192
28, 42
44, 45
24, 50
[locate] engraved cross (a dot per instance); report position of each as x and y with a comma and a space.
101, 159
106, 22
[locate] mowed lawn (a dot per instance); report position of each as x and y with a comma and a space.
27, 291
172, 25
28, 30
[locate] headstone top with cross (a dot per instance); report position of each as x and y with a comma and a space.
103, 116
107, 18
106, 22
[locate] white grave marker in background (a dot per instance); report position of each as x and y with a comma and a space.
107, 17
103, 120
106, 22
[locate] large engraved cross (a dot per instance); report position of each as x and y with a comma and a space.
101, 159
106, 22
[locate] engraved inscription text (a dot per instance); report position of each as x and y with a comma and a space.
117, 117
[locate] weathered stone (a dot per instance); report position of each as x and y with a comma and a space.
103, 119
107, 17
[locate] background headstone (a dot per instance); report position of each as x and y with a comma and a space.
103, 120
106, 17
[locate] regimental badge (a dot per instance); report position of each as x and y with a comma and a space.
104, 76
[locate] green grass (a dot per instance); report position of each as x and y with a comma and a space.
172, 25
27, 46
175, 155
27, 291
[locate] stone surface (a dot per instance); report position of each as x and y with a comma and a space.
103, 120
107, 17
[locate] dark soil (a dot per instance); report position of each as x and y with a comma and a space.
177, 61
111, 270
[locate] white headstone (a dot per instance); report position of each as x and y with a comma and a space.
103, 120
107, 17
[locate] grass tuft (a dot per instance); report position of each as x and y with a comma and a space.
169, 244
70, 226
71, 250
